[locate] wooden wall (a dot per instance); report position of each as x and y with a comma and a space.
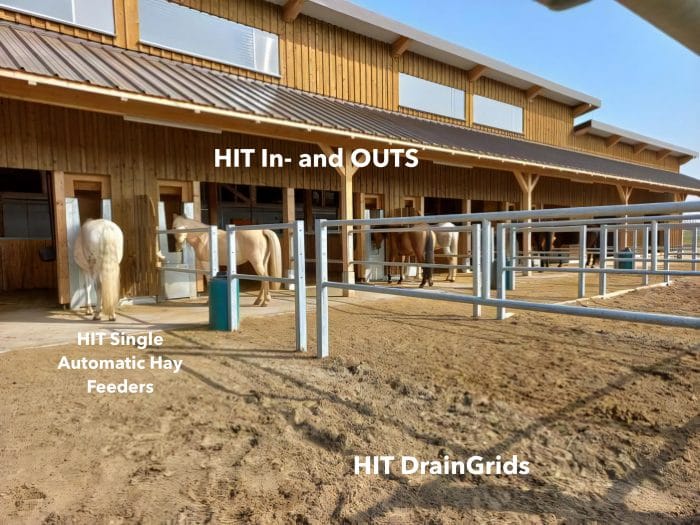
321, 58
20, 265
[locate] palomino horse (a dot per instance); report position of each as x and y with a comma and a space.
418, 243
98, 250
448, 242
261, 248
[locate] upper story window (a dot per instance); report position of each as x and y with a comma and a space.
177, 28
496, 114
423, 95
96, 15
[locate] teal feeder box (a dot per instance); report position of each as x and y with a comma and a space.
219, 303
625, 260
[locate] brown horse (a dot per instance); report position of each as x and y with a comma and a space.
592, 247
418, 243
544, 242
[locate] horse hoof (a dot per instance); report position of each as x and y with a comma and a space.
430, 283
97, 318
113, 318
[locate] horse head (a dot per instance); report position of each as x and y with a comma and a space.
377, 239
180, 238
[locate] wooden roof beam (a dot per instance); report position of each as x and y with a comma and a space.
400, 46
291, 10
532, 92
581, 109
662, 154
476, 73
684, 159
612, 140
639, 147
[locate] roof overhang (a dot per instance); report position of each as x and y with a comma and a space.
36, 88
640, 142
359, 20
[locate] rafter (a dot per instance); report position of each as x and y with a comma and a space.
400, 46
581, 109
684, 159
291, 10
612, 140
532, 92
476, 73
662, 154
639, 147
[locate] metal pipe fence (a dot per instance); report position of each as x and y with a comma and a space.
298, 280
494, 248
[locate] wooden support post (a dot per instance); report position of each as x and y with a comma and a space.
61, 237
309, 210
527, 183
625, 192
213, 200
465, 238
346, 173
288, 215
360, 239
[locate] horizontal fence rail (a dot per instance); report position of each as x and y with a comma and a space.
632, 240
298, 280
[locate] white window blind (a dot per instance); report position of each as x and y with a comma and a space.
423, 95
97, 15
178, 28
496, 114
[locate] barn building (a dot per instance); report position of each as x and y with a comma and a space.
114, 108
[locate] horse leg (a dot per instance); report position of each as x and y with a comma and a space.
264, 293
98, 301
87, 280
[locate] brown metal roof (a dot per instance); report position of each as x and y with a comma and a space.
58, 56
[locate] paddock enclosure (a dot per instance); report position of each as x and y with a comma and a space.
118, 110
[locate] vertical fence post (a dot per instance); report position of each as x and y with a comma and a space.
486, 258
654, 245
616, 241
500, 268
213, 251
667, 252
582, 256
476, 266
694, 248
299, 285
513, 253
234, 321
645, 254
603, 281
321, 288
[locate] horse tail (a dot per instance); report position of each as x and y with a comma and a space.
110, 256
274, 268
429, 254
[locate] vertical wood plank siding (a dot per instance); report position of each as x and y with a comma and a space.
322, 58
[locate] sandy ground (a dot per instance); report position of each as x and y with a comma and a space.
605, 412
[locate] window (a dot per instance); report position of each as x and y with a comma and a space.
430, 97
24, 204
178, 28
97, 15
495, 114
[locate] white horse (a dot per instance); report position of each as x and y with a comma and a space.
449, 242
261, 248
98, 250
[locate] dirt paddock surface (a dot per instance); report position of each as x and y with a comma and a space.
605, 412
